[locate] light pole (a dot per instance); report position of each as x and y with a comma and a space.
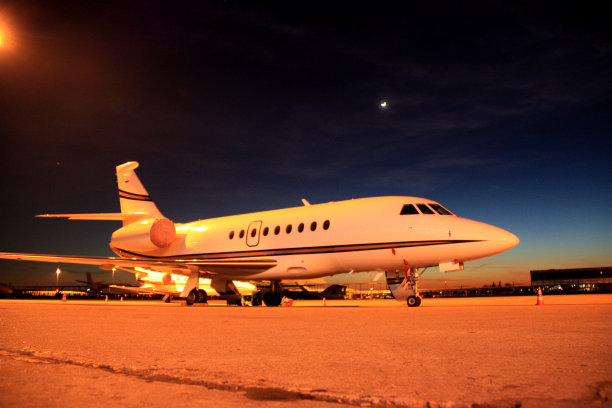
57, 272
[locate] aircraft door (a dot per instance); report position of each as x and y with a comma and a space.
252, 238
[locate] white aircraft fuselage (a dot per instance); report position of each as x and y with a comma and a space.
325, 239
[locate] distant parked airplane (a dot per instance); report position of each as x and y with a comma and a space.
101, 287
397, 235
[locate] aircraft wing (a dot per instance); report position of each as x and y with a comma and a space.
176, 266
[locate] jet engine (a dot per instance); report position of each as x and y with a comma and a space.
145, 236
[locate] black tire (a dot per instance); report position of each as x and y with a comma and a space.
257, 298
412, 301
191, 297
418, 303
272, 299
202, 296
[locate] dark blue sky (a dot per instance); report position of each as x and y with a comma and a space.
500, 111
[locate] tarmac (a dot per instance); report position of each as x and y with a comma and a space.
461, 352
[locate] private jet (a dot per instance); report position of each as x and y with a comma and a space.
395, 235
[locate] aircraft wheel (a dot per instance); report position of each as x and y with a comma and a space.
257, 298
191, 297
412, 301
272, 298
418, 303
202, 296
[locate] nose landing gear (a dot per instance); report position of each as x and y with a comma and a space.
413, 301
405, 286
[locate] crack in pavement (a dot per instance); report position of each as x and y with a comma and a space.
601, 392
252, 392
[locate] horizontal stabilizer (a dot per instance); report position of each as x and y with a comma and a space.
94, 216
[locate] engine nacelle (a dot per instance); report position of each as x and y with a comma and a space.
145, 236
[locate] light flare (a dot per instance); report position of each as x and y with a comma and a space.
6, 34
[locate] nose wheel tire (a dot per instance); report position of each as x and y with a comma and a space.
413, 301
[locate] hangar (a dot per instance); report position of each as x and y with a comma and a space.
575, 279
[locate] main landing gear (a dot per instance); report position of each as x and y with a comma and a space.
227, 289
404, 285
274, 296
196, 296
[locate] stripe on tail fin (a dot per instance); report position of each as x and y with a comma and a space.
133, 197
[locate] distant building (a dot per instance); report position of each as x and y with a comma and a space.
575, 279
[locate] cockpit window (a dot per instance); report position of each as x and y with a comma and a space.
425, 209
408, 209
440, 210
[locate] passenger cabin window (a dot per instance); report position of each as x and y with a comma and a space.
301, 227
408, 209
231, 235
276, 230
425, 209
440, 210
253, 232
241, 233
313, 226
288, 229
326, 225
265, 231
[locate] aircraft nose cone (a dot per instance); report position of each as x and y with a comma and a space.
488, 239
506, 240
512, 240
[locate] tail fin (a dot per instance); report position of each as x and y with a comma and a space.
90, 282
133, 197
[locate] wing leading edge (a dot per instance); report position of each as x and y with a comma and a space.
177, 266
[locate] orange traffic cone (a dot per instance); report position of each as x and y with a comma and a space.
540, 300
324, 302
64, 298
106, 298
